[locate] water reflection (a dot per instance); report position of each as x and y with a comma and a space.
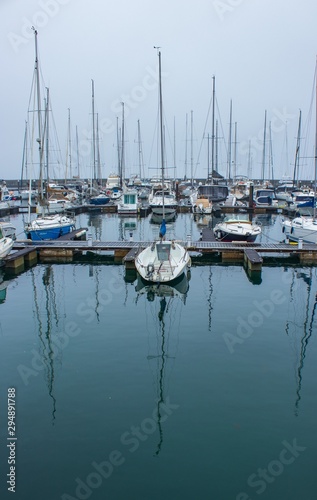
3, 288
163, 301
46, 316
306, 304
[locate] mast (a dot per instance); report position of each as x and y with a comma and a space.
118, 152
186, 139
93, 129
161, 129
315, 140
141, 166
235, 151
213, 126
191, 149
98, 155
39, 119
295, 174
122, 149
271, 172
229, 142
24, 155
264, 147
68, 150
216, 147
208, 156
77, 150
47, 136
249, 161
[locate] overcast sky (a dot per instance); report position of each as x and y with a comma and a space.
261, 52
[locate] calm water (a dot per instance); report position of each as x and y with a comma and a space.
124, 393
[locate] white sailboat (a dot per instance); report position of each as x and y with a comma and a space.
302, 227
51, 226
164, 260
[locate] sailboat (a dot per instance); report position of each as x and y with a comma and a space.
50, 226
302, 227
164, 260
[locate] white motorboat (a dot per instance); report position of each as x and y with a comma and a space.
236, 229
6, 244
129, 204
300, 228
8, 230
166, 196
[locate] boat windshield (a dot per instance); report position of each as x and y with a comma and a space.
236, 218
163, 251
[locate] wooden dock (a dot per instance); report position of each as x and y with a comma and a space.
74, 245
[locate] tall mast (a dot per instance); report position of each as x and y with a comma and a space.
249, 162
161, 129
216, 147
39, 118
69, 148
208, 157
141, 167
118, 149
93, 129
271, 171
229, 142
77, 149
264, 148
191, 148
186, 139
122, 149
98, 154
47, 135
235, 151
315, 139
295, 174
24, 155
213, 126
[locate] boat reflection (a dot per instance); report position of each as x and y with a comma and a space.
301, 302
164, 301
3, 288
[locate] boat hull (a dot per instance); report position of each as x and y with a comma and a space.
6, 245
236, 232
162, 262
49, 234
301, 229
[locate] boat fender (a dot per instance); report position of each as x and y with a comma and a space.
292, 229
150, 268
283, 229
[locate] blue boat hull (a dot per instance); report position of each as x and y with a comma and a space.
99, 201
49, 234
